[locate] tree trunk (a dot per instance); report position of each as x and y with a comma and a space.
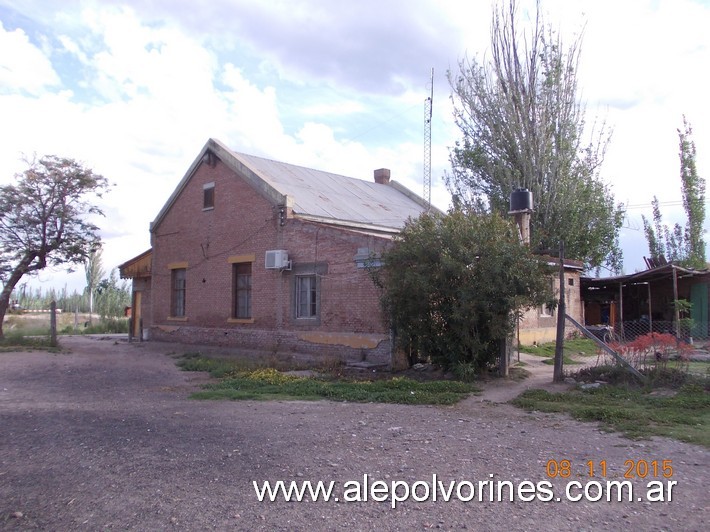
503, 353
9, 286
53, 324
91, 305
4, 303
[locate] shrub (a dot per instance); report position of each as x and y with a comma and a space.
654, 350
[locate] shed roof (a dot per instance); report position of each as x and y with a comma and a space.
664, 272
316, 194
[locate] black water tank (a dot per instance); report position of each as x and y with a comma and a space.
521, 200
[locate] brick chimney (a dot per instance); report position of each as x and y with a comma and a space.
382, 176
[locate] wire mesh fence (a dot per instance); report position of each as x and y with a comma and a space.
645, 344
628, 331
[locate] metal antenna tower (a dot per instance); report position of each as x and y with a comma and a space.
427, 142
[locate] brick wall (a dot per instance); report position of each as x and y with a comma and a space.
243, 225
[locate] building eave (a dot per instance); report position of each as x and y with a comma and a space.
124, 269
347, 224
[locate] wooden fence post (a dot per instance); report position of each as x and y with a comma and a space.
53, 324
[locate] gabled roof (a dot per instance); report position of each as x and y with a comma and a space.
314, 194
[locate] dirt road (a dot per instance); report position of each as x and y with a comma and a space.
105, 437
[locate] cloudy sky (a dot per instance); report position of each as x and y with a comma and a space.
135, 89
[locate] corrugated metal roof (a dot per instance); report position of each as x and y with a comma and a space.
652, 274
327, 195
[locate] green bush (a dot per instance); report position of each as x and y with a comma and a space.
452, 283
107, 326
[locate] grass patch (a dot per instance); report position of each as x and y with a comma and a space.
19, 342
216, 367
656, 377
271, 384
575, 346
699, 368
637, 413
34, 324
103, 326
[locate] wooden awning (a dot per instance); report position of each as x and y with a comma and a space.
137, 267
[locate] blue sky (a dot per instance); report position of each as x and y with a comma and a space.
134, 90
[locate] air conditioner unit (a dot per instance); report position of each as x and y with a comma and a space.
277, 259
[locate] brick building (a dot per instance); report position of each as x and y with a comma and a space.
269, 256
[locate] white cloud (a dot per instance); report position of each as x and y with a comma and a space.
23, 66
135, 92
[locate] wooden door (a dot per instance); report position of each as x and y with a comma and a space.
137, 314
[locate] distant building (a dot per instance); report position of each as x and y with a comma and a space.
539, 325
635, 304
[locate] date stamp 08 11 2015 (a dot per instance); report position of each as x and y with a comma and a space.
633, 469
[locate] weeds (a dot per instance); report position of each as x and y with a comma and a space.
105, 326
217, 368
658, 350
574, 346
270, 384
261, 385
656, 377
16, 341
636, 412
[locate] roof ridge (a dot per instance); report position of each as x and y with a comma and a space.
303, 167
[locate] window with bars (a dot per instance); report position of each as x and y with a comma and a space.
242, 290
179, 290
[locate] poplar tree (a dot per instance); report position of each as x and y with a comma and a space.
523, 125
93, 268
684, 245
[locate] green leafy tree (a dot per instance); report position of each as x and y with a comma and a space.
113, 296
93, 268
451, 284
693, 197
45, 220
685, 245
523, 125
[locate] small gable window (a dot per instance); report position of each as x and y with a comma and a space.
208, 196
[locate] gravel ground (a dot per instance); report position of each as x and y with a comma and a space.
105, 437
